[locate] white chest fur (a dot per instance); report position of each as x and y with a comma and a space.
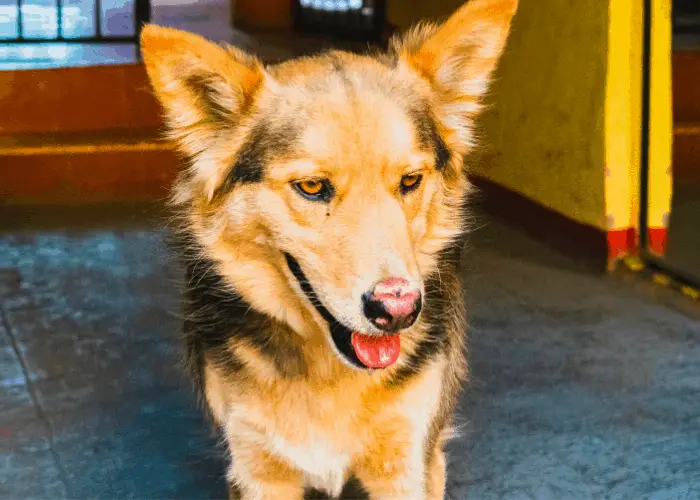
304, 445
323, 467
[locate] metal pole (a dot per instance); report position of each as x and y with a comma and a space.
59, 19
98, 19
644, 153
20, 33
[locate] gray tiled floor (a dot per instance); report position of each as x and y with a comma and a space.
582, 386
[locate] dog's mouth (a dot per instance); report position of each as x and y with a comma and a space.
362, 351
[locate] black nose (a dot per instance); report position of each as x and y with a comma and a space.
392, 313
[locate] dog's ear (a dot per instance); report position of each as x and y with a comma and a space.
201, 86
458, 57
206, 90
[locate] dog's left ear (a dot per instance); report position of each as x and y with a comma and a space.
204, 89
201, 86
458, 57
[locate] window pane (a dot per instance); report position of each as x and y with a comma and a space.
39, 19
78, 18
8, 19
118, 17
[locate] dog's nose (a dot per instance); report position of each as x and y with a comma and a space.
393, 304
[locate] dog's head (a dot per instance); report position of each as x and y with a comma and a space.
337, 178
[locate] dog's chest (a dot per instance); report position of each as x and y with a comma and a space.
324, 467
317, 434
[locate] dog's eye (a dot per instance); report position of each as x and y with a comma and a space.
315, 189
410, 182
310, 187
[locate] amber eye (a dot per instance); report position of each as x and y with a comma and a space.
311, 187
410, 182
315, 189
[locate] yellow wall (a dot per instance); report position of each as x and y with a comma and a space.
544, 135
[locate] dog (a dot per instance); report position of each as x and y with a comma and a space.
320, 211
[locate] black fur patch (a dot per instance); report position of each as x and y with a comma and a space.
353, 490
215, 313
264, 142
437, 297
234, 492
430, 137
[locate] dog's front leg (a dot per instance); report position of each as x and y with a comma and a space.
392, 473
255, 474
436, 474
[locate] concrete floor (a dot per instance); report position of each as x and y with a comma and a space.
583, 386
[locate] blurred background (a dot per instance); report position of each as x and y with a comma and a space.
582, 268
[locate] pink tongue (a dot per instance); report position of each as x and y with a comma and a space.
376, 351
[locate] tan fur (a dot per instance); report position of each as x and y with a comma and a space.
294, 413
436, 474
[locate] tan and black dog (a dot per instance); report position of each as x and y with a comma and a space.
320, 214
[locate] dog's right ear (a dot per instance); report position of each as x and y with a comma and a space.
458, 57
202, 86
